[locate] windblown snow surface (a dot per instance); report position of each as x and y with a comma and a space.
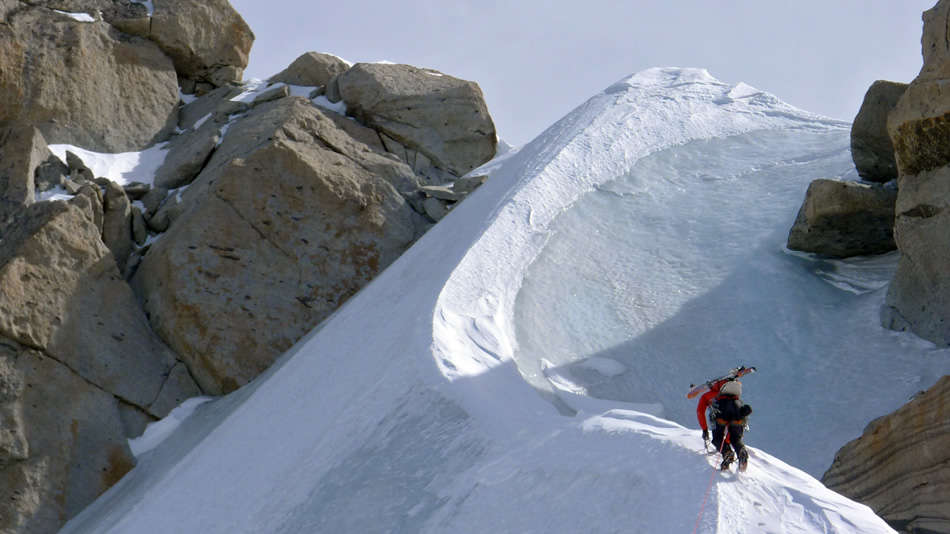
523, 367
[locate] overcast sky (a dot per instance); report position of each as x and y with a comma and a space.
537, 60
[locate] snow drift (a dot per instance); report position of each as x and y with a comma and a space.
413, 409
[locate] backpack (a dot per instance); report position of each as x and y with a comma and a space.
729, 409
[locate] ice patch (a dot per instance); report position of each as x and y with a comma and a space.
157, 432
148, 5
56, 193
201, 121
324, 102
81, 17
252, 89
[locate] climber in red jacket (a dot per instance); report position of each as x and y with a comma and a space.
704, 403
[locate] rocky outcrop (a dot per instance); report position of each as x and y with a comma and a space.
437, 124
900, 466
918, 298
920, 123
208, 40
187, 155
116, 222
871, 147
22, 150
63, 295
65, 77
62, 443
843, 219
295, 211
80, 369
312, 69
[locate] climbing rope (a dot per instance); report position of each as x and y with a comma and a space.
712, 477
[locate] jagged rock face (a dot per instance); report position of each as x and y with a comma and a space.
63, 295
920, 123
900, 466
70, 443
66, 78
293, 214
918, 298
116, 223
80, 370
312, 69
871, 147
843, 219
442, 119
22, 149
208, 40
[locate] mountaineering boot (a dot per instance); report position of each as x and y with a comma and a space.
727, 458
743, 460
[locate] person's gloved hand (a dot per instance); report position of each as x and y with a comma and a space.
705, 435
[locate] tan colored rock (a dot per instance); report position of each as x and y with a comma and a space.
211, 107
63, 295
88, 198
842, 219
207, 40
918, 297
66, 78
919, 125
900, 466
291, 217
187, 155
22, 151
312, 69
117, 223
871, 147
73, 446
50, 174
443, 118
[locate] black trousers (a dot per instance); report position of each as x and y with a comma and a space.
735, 438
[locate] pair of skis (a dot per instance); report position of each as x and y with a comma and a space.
704, 387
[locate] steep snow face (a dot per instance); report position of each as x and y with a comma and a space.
688, 277
409, 410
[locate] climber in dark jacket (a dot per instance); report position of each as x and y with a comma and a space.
730, 416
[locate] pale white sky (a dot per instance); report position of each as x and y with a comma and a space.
537, 60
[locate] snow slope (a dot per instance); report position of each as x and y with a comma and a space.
413, 409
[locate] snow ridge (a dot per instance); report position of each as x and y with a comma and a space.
405, 411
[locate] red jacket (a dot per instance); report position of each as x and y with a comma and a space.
705, 401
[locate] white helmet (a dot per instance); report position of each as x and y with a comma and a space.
732, 387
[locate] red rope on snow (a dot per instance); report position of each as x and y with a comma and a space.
711, 478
